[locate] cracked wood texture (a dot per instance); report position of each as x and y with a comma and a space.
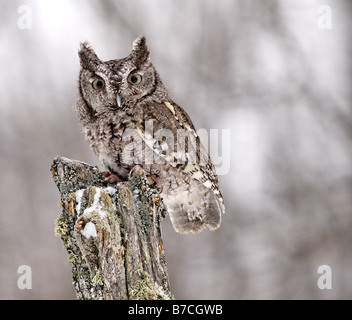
112, 233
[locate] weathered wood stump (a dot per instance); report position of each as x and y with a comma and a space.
112, 233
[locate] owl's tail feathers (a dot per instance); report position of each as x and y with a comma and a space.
193, 210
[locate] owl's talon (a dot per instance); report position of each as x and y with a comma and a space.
111, 178
159, 184
138, 169
106, 174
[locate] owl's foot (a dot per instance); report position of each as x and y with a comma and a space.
111, 178
138, 169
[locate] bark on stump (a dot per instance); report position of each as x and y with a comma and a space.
112, 233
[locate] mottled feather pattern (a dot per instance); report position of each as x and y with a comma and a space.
129, 119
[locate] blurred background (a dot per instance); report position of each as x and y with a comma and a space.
276, 74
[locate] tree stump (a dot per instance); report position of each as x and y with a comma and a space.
112, 233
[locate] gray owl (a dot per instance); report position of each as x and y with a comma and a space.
130, 120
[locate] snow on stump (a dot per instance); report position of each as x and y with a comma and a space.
112, 233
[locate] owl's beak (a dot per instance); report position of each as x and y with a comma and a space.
118, 100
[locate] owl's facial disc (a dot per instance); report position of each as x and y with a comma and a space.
118, 100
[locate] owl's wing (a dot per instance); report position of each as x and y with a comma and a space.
169, 132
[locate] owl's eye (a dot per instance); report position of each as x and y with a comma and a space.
134, 78
98, 84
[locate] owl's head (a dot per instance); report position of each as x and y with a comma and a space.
116, 83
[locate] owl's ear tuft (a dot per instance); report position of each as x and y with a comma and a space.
88, 58
140, 50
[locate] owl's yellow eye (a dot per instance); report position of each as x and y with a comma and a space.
98, 84
134, 78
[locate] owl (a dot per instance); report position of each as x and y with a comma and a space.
130, 121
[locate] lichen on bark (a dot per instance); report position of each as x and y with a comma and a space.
121, 256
